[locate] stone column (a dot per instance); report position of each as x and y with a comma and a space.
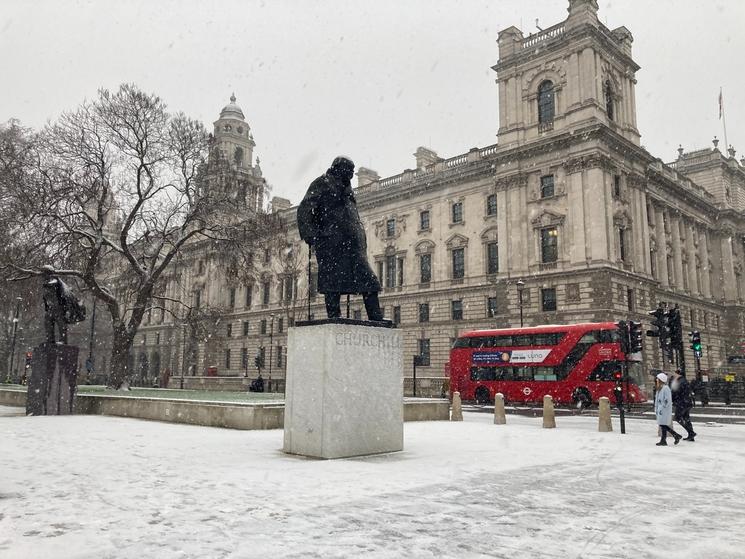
549, 418
604, 422
677, 252
661, 253
703, 248
728, 269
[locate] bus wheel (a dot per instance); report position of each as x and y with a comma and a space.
581, 399
482, 395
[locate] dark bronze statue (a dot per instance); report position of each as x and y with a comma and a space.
61, 307
328, 221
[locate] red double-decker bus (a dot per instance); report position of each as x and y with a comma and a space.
575, 364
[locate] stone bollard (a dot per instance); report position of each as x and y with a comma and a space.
604, 423
549, 420
457, 413
499, 416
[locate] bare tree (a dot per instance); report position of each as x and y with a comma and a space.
110, 194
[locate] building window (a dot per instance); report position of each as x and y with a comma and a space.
425, 268
288, 284
400, 271
547, 186
381, 266
491, 307
157, 338
609, 101
397, 315
424, 220
244, 357
249, 296
456, 309
423, 312
653, 263
670, 271
197, 298
245, 327
280, 325
630, 298
622, 243
424, 352
491, 204
229, 331
267, 255
231, 298
546, 107
262, 326
548, 299
457, 212
617, 186
549, 245
492, 257
459, 264
390, 271
265, 292
279, 356
390, 228
227, 359
200, 267
357, 314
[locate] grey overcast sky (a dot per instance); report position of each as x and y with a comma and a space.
372, 79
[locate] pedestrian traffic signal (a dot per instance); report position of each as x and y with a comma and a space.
636, 343
622, 328
696, 343
29, 355
658, 323
259, 361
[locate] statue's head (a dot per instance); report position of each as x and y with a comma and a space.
342, 167
47, 270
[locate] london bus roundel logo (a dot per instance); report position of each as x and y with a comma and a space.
527, 391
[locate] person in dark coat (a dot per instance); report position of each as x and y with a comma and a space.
682, 403
328, 221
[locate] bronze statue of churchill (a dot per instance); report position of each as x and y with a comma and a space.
329, 222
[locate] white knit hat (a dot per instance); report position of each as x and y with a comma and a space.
662, 377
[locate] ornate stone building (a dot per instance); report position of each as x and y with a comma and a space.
566, 207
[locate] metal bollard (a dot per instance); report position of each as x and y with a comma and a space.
549, 419
499, 416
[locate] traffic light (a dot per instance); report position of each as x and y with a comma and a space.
636, 342
696, 343
675, 328
29, 355
622, 327
259, 360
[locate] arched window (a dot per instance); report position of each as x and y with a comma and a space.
609, 100
546, 105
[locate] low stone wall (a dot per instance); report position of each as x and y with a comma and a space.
212, 414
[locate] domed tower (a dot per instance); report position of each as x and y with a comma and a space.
231, 158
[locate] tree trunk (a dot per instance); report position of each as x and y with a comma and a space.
120, 348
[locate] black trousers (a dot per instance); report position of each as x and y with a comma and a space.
684, 419
372, 305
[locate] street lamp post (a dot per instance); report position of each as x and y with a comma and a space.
520, 286
271, 338
89, 365
13, 344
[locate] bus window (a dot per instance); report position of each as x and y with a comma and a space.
462, 342
606, 371
502, 341
548, 338
591, 337
483, 373
609, 336
544, 373
523, 340
522, 373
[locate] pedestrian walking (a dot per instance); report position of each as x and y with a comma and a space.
682, 403
663, 409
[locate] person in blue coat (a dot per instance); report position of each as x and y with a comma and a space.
663, 409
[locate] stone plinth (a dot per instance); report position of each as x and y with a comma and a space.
344, 391
53, 380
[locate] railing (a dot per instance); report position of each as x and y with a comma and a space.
489, 150
550, 33
456, 161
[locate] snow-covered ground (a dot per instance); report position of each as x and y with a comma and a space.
105, 487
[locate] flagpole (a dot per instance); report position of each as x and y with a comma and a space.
724, 120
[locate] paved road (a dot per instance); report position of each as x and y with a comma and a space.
715, 412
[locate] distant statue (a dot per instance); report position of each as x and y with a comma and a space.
329, 222
61, 307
